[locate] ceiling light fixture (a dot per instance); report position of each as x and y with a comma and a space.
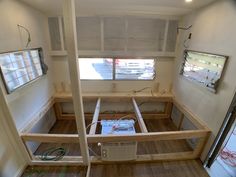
188, 0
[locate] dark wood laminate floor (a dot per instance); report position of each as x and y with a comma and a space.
188, 168
69, 127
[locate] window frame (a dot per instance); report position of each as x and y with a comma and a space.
181, 73
40, 53
114, 68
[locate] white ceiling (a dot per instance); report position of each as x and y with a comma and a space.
121, 7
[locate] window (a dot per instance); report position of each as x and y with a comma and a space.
21, 67
203, 68
116, 69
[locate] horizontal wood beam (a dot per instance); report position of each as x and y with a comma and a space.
116, 116
139, 117
139, 137
65, 97
150, 158
151, 136
51, 138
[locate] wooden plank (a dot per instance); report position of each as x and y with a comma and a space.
95, 118
58, 111
165, 35
200, 145
57, 163
65, 158
28, 150
61, 33
115, 116
73, 63
151, 136
139, 117
180, 121
66, 97
168, 109
150, 158
51, 138
102, 34
188, 114
139, 137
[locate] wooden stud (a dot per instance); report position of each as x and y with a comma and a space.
189, 115
168, 109
7, 121
95, 118
58, 110
200, 145
139, 117
72, 55
180, 121
165, 36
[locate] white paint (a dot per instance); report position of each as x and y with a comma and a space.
124, 7
11, 161
71, 43
24, 102
164, 68
213, 31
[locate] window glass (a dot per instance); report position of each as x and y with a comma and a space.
96, 68
125, 69
203, 68
18, 68
134, 69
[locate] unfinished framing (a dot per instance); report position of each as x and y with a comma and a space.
201, 133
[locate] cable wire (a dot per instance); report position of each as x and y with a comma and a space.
48, 155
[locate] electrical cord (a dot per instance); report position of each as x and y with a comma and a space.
29, 37
48, 155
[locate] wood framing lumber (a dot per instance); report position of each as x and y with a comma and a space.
189, 115
73, 63
150, 158
139, 137
95, 118
180, 120
58, 111
139, 117
151, 136
168, 108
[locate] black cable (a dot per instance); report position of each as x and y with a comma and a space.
53, 154
29, 37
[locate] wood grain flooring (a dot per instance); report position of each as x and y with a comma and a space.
158, 125
189, 168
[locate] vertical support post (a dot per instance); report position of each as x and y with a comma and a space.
102, 34
181, 120
165, 36
200, 145
57, 109
72, 54
168, 109
7, 121
61, 33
